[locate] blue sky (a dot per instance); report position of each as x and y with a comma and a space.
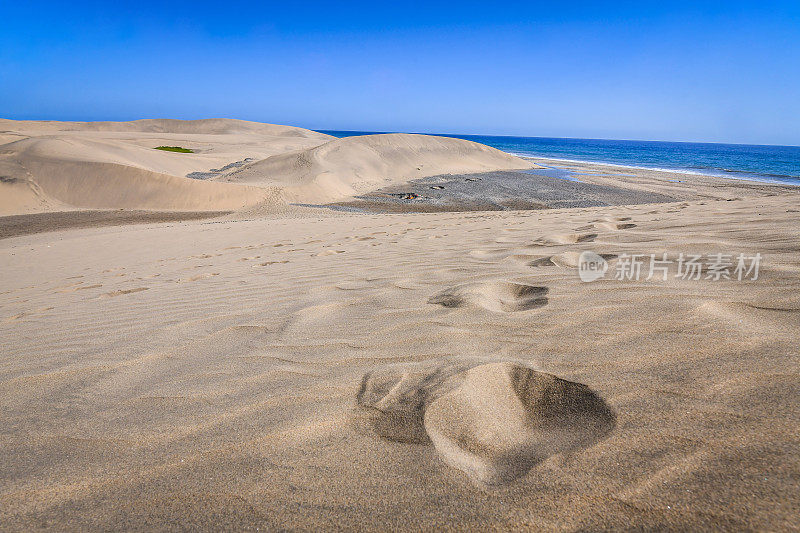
693, 71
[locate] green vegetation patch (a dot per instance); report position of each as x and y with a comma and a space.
175, 149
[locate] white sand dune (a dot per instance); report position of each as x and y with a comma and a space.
353, 165
96, 165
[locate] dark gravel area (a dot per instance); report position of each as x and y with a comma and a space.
547, 188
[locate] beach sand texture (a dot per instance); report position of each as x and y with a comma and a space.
285, 367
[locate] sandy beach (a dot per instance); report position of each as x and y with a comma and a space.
370, 334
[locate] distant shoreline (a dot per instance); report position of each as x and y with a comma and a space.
759, 163
731, 176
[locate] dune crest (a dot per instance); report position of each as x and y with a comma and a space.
163, 125
353, 165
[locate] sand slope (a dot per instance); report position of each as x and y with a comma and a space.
361, 372
65, 165
352, 165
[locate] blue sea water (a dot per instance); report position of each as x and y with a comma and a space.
777, 164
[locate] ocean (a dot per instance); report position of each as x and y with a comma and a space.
775, 164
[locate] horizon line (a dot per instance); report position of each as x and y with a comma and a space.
419, 132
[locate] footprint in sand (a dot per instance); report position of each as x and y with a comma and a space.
496, 296
121, 292
586, 227
493, 421
18, 316
26, 314
564, 260
89, 287
615, 225
565, 238
490, 255
76, 287
199, 277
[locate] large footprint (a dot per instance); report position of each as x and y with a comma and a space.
497, 296
492, 421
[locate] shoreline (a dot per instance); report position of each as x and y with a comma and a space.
719, 164
753, 178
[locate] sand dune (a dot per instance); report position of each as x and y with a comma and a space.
98, 185
62, 165
96, 165
353, 165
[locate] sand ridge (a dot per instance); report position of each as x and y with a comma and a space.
51, 166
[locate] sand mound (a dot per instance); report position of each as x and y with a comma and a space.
505, 418
353, 165
493, 421
497, 296
65, 165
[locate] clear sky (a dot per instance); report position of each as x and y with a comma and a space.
694, 71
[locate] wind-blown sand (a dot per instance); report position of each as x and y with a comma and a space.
287, 367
